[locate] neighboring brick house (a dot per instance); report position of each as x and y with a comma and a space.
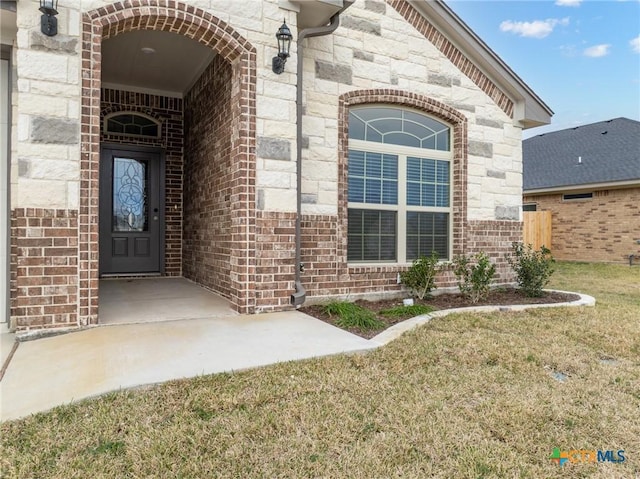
589, 178
153, 137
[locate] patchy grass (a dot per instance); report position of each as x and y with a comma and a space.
465, 396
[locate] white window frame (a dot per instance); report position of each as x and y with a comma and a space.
402, 152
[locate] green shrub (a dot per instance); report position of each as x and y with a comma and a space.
533, 268
403, 312
420, 277
474, 280
351, 315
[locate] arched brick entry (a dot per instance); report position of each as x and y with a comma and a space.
196, 24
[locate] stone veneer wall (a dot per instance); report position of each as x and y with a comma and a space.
44, 268
604, 228
169, 112
208, 179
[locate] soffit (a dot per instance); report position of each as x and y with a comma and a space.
170, 67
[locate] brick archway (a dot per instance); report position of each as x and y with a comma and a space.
196, 24
430, 107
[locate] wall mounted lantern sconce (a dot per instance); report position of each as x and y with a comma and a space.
48, 21
284, 38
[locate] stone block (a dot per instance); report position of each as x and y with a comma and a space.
375, 6
489, 122
336, 73
274, 148
59, 44
360, 55
507, 213
481, 148
496, 174
440, 80
54, 130
48, 169
41, 193
41, 65
361, 24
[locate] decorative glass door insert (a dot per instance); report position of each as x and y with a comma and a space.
130, 206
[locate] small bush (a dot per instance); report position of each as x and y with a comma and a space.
403, 312
474, 280
351, 315
421, 275
533, 268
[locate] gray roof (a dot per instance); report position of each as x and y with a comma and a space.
603, 152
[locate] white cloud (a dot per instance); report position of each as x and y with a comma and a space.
535, 29
597, 51
635, 44
568, 3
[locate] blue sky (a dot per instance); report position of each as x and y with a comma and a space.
582, 57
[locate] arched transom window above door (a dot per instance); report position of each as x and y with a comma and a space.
129, 123
399, 185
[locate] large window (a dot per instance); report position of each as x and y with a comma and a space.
399, 189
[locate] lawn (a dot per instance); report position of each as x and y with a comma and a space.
465, 396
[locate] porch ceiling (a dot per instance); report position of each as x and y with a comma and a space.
153, 61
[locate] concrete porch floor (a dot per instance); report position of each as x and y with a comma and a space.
144, 300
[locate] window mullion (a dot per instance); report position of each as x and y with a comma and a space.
401, 238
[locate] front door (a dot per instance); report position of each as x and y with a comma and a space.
131, 211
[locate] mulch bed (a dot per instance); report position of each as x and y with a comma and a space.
498, 297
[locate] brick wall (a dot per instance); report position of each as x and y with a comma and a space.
208, 180
169, 112
604, 228
495, 238
328, 274
275, 260
44, 268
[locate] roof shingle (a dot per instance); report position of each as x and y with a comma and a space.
603, 152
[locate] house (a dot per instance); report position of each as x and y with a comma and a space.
171, 138
589, 178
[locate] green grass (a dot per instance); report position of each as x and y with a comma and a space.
405, 312
465, 396
351, 315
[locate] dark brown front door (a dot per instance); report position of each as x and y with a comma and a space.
131, 211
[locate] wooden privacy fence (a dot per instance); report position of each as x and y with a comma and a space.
537, 228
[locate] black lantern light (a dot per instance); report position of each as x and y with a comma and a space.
284, 43
48, 21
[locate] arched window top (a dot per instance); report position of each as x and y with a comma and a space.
397, 126
131, 124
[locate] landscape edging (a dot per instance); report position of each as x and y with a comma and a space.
395, 331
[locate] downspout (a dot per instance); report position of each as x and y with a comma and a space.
298, 297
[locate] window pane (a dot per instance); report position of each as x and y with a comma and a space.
428, 195
443, 141
371, 235
356, 127
428, 171
413, 194
390, 192
402, 139
413, 169
373, 166
431, 233
429, 143
373, 193
372, 178
387, 125
356, 190
373, 135
398, 127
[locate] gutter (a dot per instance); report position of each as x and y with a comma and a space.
299, 296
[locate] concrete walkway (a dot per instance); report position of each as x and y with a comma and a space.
48, 372
57, 370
